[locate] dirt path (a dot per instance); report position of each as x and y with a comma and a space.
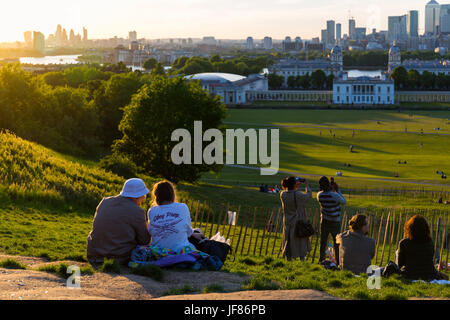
35, 285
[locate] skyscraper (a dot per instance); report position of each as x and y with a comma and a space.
444, 19
39, 41
338, 32
412, 23
331, 31
351, 28
85, 34
28, 37
397, 28
268, 43
250, 44
324, 36
132, 36
431, 17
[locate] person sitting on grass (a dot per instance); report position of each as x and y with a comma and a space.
170, 221
416, 251
356, 250
119, 225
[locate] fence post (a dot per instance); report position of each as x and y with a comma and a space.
245, 233
272, 225
264, 232
318, 235
444, 238
207, 219
279, 216
225, 219
436, 239
238, 213
392, 238
251, 232
257, 236
203, 212
385, 236
378, 236
219, 219
196, 214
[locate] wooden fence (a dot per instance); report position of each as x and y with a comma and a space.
258, 231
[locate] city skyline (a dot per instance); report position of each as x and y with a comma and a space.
198, 18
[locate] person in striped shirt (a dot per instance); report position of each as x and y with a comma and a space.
330, 200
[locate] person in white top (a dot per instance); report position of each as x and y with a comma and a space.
169, 221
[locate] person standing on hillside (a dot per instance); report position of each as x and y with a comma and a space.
330, 200
293, 202
119, 225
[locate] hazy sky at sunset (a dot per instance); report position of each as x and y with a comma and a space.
224, 19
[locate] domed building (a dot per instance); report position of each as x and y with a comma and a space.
232, 88
295, 67
395, 58
433, 66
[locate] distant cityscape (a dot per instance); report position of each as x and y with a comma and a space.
402, 30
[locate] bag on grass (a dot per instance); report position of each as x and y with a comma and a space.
215, 248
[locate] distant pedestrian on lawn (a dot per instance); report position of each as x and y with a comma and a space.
119, 225
356, 250
330, 200
293, 202
416, 251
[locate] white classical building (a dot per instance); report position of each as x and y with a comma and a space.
295, 67
233, 88
363, 90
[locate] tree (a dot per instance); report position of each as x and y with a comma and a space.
329, 81
159, 108
318, 79
275, 81
159, 70
150, 64
215, 58
428, 80
291, 82
305, 81
413, 79
399, 75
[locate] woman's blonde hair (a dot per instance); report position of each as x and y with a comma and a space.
163, 191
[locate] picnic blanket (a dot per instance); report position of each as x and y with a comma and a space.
186, 258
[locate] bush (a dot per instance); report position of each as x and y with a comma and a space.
12, 264
119, 165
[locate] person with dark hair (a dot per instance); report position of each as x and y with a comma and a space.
356, 250
416, 251
169, 221
330, 200
119, 225
293, 202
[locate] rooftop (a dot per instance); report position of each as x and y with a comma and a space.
216, 77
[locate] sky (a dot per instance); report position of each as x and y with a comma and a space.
223, 19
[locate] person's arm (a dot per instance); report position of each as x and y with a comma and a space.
140, 226
339, 197
401, 254
187, 214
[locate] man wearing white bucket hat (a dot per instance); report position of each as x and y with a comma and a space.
119, 225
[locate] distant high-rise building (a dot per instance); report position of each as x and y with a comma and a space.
397, 28
432, 17
39, 41
85, 34
268, 43
250, 44
412, 23
210, 41
72, 36
65, 38
324, 36
132, 36
338, 32
360, 33
331, 32
351, 28
444, 17
28, 37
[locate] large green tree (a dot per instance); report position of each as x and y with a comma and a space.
159, 108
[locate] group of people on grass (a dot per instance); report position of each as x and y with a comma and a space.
354, 250
121, 226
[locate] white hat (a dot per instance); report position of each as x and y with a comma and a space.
134, 188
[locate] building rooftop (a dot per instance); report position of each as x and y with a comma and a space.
364, 80
216, 77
